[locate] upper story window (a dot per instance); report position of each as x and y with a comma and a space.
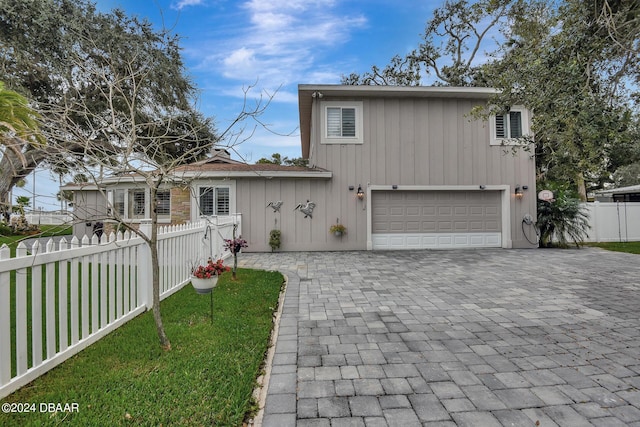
506, 128
342, 122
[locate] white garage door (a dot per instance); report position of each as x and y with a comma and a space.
436, 219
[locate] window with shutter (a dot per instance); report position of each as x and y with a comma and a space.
506, 128
222, 200
215, 201
136, 203
163, 198
343, 122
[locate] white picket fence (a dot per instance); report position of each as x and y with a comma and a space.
613, 222
69, 295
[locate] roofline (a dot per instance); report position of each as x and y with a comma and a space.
413, 91
255, 174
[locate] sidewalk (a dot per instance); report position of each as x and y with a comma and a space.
473, 337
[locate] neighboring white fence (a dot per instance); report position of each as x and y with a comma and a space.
44, 218
69, 295
614, 222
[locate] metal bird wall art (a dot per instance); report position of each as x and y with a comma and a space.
306, 208
275, 205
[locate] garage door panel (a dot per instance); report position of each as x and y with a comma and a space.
444, 226
428, 211
461, 211
491, 210
445, 210
413, 211
461, 226
436, 219
476, 210
412, 226
428, 226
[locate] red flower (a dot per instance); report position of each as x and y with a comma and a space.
210, 270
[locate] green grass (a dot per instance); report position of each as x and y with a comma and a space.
629, 247
45, 231
206, 379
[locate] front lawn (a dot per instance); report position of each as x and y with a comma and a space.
206, 379
629, 247
45, 231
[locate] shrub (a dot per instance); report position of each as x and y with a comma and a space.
274, 239
563, 219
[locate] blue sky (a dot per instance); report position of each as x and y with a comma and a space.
230, 44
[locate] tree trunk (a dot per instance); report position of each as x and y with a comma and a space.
582, 189
155, 267
12, 170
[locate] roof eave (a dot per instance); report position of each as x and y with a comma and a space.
254, 174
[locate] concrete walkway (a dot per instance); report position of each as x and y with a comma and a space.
467, 338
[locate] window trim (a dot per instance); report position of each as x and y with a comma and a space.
196, 208
524, 116
357, 106
126, 212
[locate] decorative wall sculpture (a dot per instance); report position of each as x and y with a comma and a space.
306, 208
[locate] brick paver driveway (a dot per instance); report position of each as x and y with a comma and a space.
469, 338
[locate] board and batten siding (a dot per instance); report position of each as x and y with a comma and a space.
422, 142
298, 233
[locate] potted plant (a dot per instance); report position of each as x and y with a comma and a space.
274, 239
338, 229
234, 246
205, 277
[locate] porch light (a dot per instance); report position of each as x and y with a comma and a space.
360, 193
518, 192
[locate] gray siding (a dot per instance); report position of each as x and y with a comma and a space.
411, 142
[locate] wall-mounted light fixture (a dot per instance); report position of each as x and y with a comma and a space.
317, 95
518, 192
394, 187
483, 187
360, 193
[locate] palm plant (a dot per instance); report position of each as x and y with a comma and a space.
563, 218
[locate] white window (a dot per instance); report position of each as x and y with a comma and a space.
137, 201
214, 201
342, 122
118, 201
163, 198
507, 127
132, 203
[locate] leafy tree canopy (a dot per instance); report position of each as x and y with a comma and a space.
277, 159
573, 63
66, 57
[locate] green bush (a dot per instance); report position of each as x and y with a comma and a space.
274, 239
563, 219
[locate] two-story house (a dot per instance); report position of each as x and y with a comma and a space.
399, 167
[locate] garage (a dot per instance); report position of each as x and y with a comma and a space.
436, 219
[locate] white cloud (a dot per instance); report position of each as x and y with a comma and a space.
281, 41
184, 3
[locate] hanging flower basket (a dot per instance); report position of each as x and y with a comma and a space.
205, 277
204, 286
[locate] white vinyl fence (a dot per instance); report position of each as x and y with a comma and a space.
57, 299
45, 218
614, 222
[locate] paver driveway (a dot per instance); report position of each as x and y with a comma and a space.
468, 337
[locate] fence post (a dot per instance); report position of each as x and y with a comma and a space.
594, 219
5, 321
145, 273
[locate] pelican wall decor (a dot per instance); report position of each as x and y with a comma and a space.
306, 208
275, 205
